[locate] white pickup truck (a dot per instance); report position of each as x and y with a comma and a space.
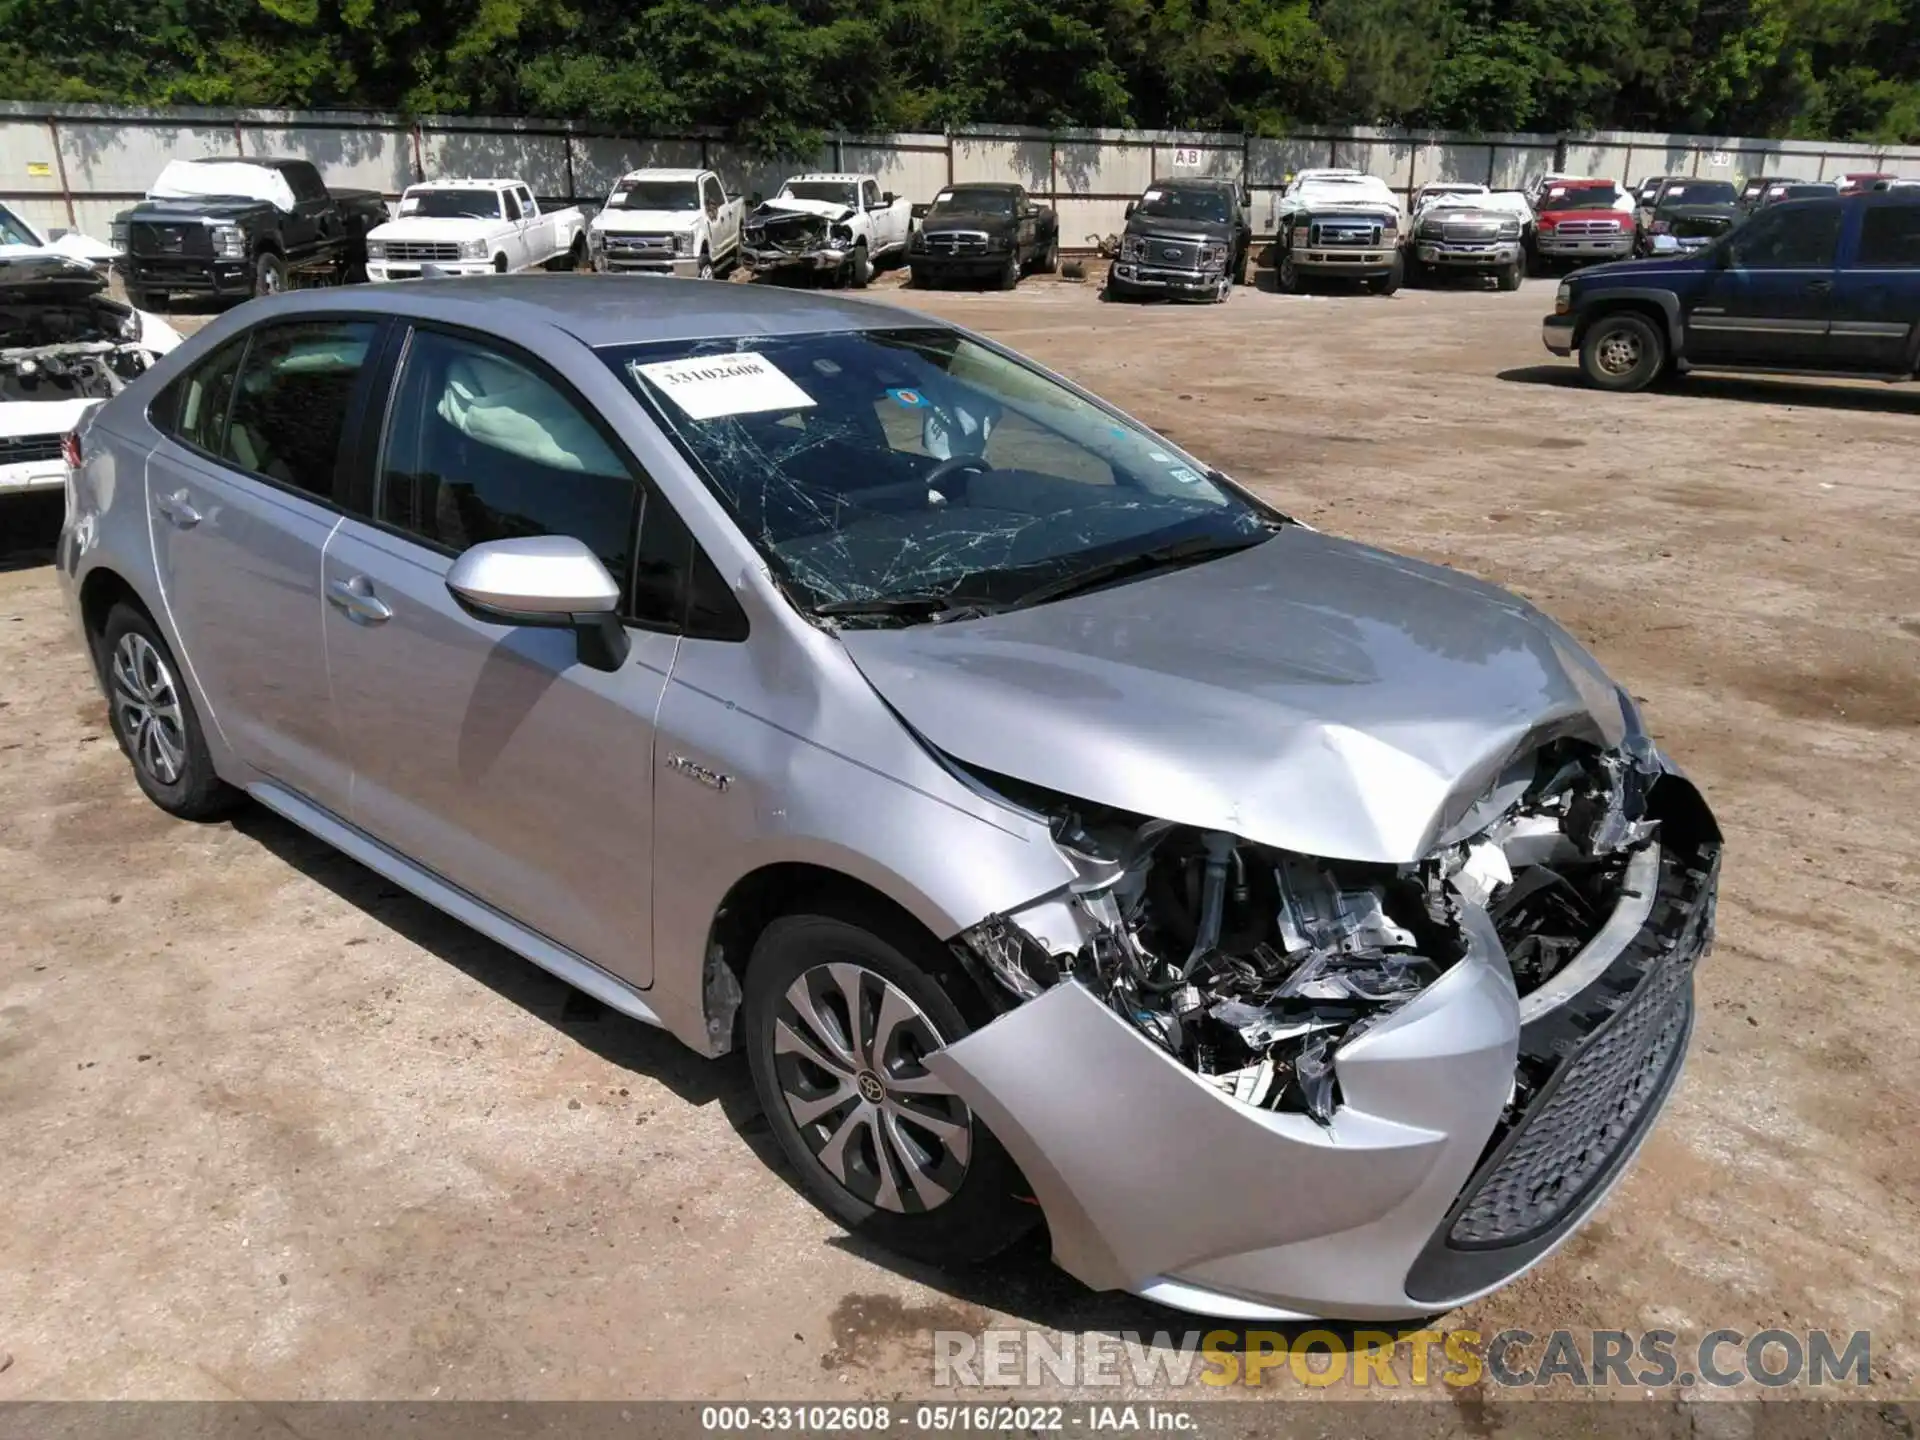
474, 227
667, 222
843, 225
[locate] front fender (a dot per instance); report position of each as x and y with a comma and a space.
1612, 297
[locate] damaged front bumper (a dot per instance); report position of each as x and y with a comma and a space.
828, 257
1476, 1128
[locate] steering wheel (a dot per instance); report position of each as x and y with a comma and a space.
951, 466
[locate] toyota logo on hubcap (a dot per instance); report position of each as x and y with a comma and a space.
870, 1088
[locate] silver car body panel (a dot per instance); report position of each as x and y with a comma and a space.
1309, 694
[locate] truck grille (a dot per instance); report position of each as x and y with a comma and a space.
1462, 231
1173, 254
957, 242
18, 449
1598, 1101
1345, 232
1587, 227
795, 233
641, 247
148, 237
423, 250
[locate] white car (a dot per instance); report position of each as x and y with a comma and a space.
474, 227
844, 225
64, 347
667, 222
19, 237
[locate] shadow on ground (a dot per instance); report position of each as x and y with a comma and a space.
1841, 395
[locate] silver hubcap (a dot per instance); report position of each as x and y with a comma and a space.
849, 1051
270, 280
706, 270
146, 703
1618, 352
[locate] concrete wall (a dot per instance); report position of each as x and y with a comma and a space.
79, 165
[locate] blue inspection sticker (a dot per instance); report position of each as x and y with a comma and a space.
911, 399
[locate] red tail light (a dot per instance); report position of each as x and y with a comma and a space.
70, 450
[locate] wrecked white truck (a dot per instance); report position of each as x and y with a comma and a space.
838, 227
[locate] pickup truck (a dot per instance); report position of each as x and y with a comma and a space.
19, 237
1580, 220
667, 222
986, 231
1805, 287
1469, 234
234, 226
1185, 237
1338, 223
843, 227
1680, 196
474, 227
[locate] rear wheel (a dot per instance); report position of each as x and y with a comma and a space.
1622, 352
840, 1018
154, 720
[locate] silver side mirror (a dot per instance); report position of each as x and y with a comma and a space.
1665, 245
551, 582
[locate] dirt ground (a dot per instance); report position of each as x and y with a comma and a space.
270, 1128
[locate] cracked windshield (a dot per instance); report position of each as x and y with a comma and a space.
915, 474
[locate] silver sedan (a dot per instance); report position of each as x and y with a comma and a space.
1065, 834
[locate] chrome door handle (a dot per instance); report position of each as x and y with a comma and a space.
355, 596
177, 509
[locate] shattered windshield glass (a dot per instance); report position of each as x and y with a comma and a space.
835, 192
655, 195
895, 471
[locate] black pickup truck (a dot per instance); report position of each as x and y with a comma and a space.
983, 232
232, 226
1805, 287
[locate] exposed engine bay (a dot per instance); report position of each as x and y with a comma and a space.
1253, 966
773, 227
84, 349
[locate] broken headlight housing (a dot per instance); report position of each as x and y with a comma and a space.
1252, 965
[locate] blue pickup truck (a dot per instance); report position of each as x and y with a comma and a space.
1805, 287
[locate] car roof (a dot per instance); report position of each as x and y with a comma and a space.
466, 184
651, 173
843, 176
602, 310
960, 185
1193, 182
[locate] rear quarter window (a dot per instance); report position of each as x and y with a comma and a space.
1890, 236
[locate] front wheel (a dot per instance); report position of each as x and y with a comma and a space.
705, 271
1010, 273
840, 1020
862, 266
1509, 276
1622, 352
1390, 282
269, 274
154, 720
1287, 275
1050, 261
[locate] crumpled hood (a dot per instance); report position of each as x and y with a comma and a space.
1310, 693
828, 209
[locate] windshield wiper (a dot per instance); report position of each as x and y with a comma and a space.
914, 605
1180, 552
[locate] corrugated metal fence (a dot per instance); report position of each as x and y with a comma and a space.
79, 165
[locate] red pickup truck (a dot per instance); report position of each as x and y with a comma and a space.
1581, 220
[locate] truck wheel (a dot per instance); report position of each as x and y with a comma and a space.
1240, 268
1622, 352
1391, 281
1287, 276
1419, 275
269, 274
1050, 261
862, 266
575, 257
705, 270
1509, 276
499, 264
1010, 276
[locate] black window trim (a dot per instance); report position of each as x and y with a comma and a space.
373, 486
338, 500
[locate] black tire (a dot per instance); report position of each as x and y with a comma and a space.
1622, 352
988, 1207
1050, 261
269, 274
1240, 266
499, 264
918, 279
1509, 276
1114, 290
1286, 276
1392, 280
1419, 275
573, 260
1009, 276
862, 274
154, 720
704, 271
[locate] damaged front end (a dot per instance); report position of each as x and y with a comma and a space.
776, 238
1582, 882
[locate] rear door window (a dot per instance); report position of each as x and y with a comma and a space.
296, 392
1789, 238
194, 409
1890, 237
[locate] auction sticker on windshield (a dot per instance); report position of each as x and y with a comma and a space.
718, 385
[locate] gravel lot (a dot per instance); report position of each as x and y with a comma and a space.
270, 1128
